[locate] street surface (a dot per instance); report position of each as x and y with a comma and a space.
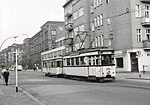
60, 91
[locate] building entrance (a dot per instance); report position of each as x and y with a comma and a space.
134, 62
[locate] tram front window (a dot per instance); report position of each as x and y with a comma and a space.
107, 60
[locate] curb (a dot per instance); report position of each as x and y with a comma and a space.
31, 96
139, 78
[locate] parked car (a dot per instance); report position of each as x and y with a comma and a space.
20, 67
13, 68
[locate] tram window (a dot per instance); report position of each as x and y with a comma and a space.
82, 61
106, 60
119, 62
44, 64
99, 60
58, 63
86, 60
68, 62
64, 62
77, 61
49, 55
72, 61
51, 64
89, 61
96, 60
92, 61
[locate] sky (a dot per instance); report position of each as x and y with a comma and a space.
24, 18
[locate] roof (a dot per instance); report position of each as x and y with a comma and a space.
67, 2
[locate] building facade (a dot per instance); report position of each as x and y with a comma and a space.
8, 55
26, 63
106, 23
48, 38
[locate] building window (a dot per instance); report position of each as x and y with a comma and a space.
92, 26
139, 35
81, 11
119, 62
98, 20
101, 40
92, 8
81, 27
95, 3
138, 11
108, 21
95, 22
46, 34
101, 19
76, 31
75, 15
54, 32
148, 34
78, 13
146, 11
96, 40
99, 2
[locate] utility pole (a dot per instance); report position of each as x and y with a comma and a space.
16, 72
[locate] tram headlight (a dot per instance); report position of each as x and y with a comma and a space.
108, 73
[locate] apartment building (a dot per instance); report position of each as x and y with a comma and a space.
26, 63
8, 55
130, 27
49, 37
76, 19
123, 25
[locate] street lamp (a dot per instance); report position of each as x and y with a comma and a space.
7, 39
16, 59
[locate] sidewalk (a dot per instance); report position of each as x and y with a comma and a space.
133, 76
9, 96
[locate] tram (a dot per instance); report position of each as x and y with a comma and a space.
95, 64
52, 62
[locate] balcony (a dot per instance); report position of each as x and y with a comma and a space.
68, 14
146, 44
68, 41
145, 21
69, 26
146, 1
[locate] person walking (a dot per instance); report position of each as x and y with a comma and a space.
5, 74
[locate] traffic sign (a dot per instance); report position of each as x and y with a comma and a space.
138, 53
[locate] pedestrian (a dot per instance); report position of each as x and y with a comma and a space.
5, 74
34, 68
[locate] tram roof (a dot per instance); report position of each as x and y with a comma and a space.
87, 52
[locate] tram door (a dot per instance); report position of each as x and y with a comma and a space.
134, 62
